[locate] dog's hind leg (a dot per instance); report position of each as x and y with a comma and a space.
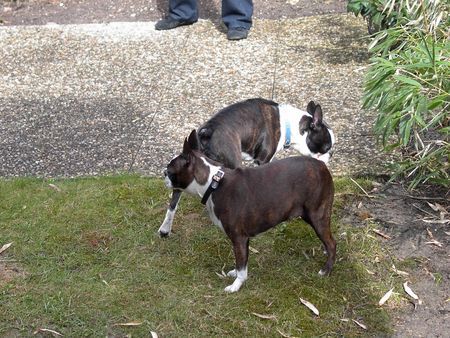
321, 225
166, 226
240, 248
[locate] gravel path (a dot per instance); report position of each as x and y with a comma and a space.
87, 99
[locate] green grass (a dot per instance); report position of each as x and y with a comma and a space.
91, 259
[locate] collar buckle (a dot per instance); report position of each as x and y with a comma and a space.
217, 177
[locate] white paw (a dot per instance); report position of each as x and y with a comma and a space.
231, 288
232, 273
322, 272
166, 226
163, 233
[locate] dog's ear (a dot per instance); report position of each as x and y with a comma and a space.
304, 124
190, 143
310, 108
317, 116
186, 147
193, 140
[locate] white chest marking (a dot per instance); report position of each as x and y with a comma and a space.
198, 189
212, 215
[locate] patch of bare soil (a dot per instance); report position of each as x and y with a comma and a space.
9, 271
418, 229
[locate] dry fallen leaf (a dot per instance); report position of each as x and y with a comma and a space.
154, 335
435, 242
370, 272
399, 272
310, 306
223, 275
54, 187
47, 330
253, 250
129, 324
409, 291
429, 273
364, 215
4, 247
435, 221
432, 206
285, 335
270, 317
386, 296
378, 232
438, 207
360, 324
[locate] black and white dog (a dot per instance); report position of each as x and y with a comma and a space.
256, 129
247, 201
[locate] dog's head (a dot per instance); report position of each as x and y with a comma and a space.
188, 167
319, 137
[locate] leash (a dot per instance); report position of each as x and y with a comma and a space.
274, 77
287, 142
213, 186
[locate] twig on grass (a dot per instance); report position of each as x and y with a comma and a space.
53, 332
362, 189
424, 211
421, 198
379, 233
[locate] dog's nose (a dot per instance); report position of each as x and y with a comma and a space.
331, 152
165, 172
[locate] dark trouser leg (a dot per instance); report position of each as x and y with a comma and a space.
183, 10
237, 13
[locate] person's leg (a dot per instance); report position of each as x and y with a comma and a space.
181, 12
237, 16
237, 13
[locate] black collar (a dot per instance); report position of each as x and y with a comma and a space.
214, 184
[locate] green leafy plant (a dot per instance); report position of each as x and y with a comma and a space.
372, 11
408, 84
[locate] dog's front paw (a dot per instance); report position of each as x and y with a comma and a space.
232, 273
231, 288
163, 234
165, 229
235, 286
324, 272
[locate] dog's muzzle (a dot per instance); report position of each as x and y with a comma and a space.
167, 180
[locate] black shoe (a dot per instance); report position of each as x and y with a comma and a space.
238, 33
169, 23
